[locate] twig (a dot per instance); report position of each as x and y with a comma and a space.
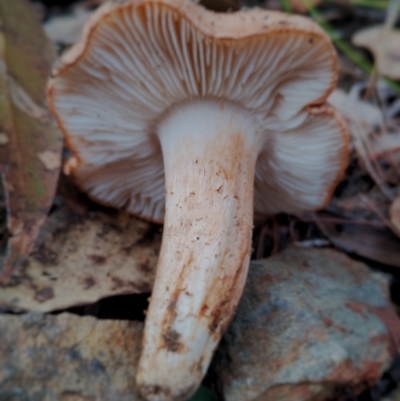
338, 220
363, 150
387, 222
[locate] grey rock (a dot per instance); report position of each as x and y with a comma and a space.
68, 358
311, 322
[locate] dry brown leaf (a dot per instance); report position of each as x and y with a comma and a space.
80, 259
68, 358
30, 143
378, 245
363, 209
384, 44
395, 213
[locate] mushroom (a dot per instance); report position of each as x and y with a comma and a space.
229, 110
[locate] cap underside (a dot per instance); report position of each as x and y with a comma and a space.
144, 59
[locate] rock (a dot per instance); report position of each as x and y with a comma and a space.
68, 358
310, 323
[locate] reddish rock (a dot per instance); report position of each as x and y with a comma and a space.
310, 323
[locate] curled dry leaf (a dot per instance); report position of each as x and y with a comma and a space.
30, 143
373, 243
384, 45
79, 260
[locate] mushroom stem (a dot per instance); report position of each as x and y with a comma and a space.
209, 151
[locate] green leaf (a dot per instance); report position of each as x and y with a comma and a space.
30, 142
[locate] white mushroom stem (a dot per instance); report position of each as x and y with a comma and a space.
209, 151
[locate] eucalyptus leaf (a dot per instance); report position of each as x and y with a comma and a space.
30, 142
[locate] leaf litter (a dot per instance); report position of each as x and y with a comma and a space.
28, 132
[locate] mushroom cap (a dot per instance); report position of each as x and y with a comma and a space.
138, 59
